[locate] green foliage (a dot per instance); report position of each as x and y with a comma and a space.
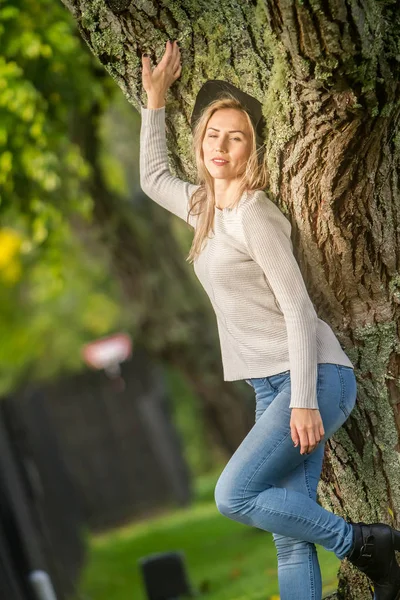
54, 295
44, 76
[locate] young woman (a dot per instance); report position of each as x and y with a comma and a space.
270, 336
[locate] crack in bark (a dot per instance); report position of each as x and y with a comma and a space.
355, 435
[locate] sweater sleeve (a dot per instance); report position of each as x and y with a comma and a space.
156, 179
267, 237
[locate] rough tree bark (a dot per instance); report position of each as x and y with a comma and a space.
327, 74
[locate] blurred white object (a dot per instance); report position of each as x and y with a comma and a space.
107, 353
42, 586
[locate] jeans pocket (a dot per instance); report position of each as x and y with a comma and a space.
348, 395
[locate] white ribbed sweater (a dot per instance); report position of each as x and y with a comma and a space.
266, 320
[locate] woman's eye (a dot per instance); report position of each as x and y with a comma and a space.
236, 138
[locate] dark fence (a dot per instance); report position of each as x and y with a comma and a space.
121, 448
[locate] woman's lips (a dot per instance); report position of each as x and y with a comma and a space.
219, 163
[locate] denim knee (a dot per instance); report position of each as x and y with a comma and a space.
221, 499
227, 499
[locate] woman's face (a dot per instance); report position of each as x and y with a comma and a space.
227, 136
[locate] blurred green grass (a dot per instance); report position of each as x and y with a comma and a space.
225, 560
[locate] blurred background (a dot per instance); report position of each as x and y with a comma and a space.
107, 465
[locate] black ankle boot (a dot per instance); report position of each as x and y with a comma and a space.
373, 554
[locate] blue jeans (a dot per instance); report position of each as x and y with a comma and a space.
268, 484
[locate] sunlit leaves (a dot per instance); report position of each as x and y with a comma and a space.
54, 293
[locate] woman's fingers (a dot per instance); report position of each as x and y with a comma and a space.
146, 68
303, 441
311, 441
177, 63
171, 55
168, 55
308, 441
146, 72
314, 438
306, 426
169, 63
165, 72
175, 58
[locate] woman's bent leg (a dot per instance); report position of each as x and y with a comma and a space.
248, 491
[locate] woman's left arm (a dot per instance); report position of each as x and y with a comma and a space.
269, 244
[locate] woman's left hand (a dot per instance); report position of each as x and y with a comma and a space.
307, 428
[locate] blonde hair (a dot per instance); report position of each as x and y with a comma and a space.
255, 176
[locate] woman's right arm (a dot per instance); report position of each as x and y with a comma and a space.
156, 179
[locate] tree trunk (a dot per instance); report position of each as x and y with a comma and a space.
328, 77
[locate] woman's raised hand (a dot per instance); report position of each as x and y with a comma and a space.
157, 81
